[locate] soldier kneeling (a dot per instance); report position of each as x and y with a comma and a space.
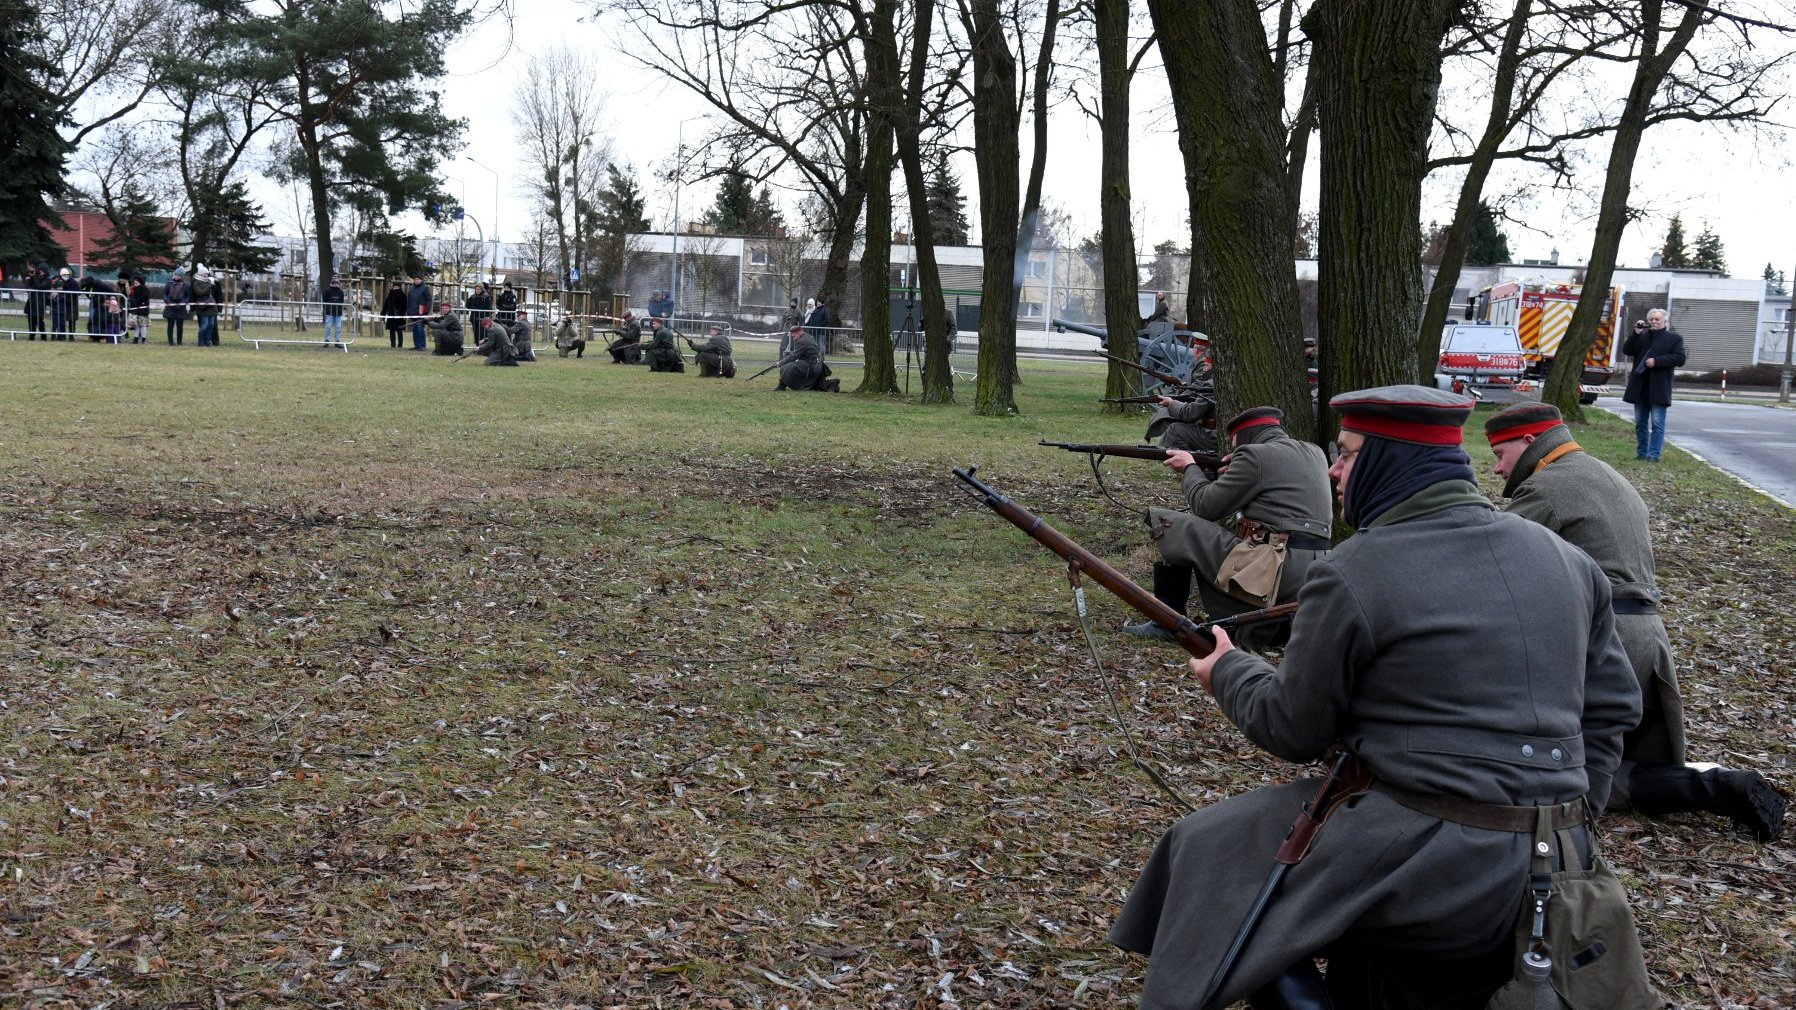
445, 330
715, 359
627, 348
520, 337
568, 339
663, 354
495, 343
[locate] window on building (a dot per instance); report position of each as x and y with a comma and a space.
1038, 268
1028, 310
757, 257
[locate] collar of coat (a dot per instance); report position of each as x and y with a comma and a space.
1536, 456
1431, 499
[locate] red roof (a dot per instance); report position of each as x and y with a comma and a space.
85, 230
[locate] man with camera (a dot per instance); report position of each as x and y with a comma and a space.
1658, 352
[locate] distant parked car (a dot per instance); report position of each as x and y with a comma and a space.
1479, 355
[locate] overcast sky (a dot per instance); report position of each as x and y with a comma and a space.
1742, 189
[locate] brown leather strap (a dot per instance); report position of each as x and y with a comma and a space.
1490, 816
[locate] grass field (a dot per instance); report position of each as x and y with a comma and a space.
373, 680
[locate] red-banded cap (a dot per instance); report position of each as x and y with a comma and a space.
1521, 420
1415, 414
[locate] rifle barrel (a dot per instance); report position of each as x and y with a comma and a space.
1171, 380
1124, 451
1189, 636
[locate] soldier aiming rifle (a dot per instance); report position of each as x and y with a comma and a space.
627, 348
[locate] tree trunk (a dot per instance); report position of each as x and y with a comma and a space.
1226, 101
1375, 108
879, 375
1612, 217
846, 214
1038, 166
1122, 306
321, 211
938, 371
996, 123
1440, 296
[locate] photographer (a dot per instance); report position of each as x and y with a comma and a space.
1658, 352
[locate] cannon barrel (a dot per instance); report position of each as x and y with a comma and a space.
1100, 332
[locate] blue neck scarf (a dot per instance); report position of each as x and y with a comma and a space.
1387, 472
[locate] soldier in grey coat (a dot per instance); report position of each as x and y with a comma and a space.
1472, 694
801, 367
1273, 495
445, 330
520, 335
1552, 481
1180, 424
715, 355
627, 348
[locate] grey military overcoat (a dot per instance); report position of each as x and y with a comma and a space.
1500, 682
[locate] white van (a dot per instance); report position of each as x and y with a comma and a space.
1480, 354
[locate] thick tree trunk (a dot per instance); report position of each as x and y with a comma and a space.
1375, 107
1496, 127
1612, 217
319, 187
996, 152
1226, 100
938, 371
846, 214
879, 375
1122, 306
1030, 222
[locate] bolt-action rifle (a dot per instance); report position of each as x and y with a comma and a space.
1262, 615
1170, 380
1205, 460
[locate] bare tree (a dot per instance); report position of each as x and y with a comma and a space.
558, 110
108, 53
707, 270
1727, 80
787, 82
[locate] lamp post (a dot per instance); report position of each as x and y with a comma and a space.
495, 217
1783, 383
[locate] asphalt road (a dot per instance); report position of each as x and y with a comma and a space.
1755, 443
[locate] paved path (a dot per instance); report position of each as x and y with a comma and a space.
1754, 443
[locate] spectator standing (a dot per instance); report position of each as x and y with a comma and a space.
507, 304
112, 319
205, 305
37, 302
137, 303
817, 323
62, 305
417, 306
661, 305
1658, 352
333, 311
176, 296
480, 306
392, 312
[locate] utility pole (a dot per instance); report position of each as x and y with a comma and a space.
1783, 383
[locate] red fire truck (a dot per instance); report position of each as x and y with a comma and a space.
1540, 313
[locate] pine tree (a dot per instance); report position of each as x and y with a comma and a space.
391, 253
947, 207
141, 239
1486, 244
621, 212
1709, 254
231, 223
1673, 255
32, 149
1774, 281
739, 210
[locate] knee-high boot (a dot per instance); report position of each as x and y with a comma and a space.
1172, 586
1742, 796
1300, 988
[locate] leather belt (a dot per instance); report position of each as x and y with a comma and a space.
1305, 542
1254, 531
1633, 606
1490, 816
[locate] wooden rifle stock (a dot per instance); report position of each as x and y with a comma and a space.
1205, 460
1192, 638
1170, 380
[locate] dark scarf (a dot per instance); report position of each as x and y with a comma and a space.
1387, 472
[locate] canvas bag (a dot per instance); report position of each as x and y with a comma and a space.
1251, 570
1575, 938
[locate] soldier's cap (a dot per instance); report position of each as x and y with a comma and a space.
1255, 417
629, 315
1307, 341
797, 329
1520, 420
1418, 415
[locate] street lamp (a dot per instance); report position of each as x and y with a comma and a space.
1783, 383
495, 217
673, 287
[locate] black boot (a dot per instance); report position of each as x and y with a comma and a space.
1299, 988
1172, 586
1742, 796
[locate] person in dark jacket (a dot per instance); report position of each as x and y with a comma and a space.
480, 305
818, 322
97, 292
663, 354
1551, 480
1472, 695
520, 335
627, 348
445, 330
1658, 352
392, 310
176, 296
496, 344
803, 367
661, 305
417, 306
715, 355
507, 304
137, 303
333, 299
37, 303
207, 300
64, 304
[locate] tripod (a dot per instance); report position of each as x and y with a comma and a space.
908, 333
